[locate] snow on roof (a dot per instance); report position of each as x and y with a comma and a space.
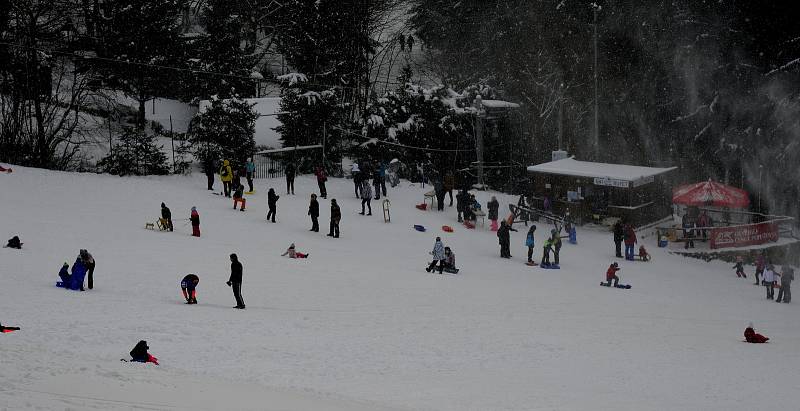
575, 168
498, 104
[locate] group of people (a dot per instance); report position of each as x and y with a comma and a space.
695, 225
770, 278
82, 268
626, 233
194, 218
361, 180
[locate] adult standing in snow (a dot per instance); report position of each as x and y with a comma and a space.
355, 172
209, 168
382, 178
769, 281
272, 203
493, 206
630, 241
321, 179
313, 211
366, 196
461, 203
194, 217
619, 235
504, 237
89, 263
761, 263
556, 245
530, 242
226, 176
376, 183
785, 292
250, 169
438, 256
290, 172
438, 189
235, 281
167, 216
449, 185
336, 217
688, 230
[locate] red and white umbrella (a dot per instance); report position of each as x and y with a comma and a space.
711, 193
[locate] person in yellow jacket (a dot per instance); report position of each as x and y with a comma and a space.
226, 175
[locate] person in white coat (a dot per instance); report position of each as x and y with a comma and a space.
438, 256
769, 281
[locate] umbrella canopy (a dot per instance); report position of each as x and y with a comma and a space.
710, 193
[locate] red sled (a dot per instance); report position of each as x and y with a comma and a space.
447, 229
469, 225
422, 206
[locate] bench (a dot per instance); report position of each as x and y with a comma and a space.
430, 195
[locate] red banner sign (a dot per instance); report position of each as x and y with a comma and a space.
744, 235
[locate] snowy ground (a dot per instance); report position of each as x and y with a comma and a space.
360, 325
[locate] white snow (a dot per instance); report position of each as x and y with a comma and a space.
572, 167
360, 325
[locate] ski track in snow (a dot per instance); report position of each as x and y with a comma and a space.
360, 325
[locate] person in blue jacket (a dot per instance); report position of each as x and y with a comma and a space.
64, 275
250, 169
530, 243
78, 273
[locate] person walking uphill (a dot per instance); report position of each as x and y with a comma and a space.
272, 202
226, 176
235, 281
290, 171
785, 292
619, 235
194, 217
504, 237
167, 216
493, 207
366, 197
438, 256
336, 217
313, 211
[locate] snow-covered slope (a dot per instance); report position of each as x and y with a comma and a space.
359, 325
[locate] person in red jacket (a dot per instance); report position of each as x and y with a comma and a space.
630, 241
195, 219
751, 336
321, 179
611, 274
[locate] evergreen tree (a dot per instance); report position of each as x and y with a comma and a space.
135, 153
224, 130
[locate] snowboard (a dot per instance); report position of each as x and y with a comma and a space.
531, 263
625, 286
550, 267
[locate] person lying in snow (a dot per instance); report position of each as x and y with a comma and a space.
4, 329
751, 336
139, 353
5, 170
294, 254
14, 242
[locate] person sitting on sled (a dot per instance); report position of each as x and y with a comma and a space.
64, 275
643, 254
188, 285
4, 329
751, 336
139, 353
611, 274
292, 253
238, 197
449, 259
14, 242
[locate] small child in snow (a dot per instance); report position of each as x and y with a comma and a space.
14, 243
548, 245
611, 274
188, 285
751, 336
740, 267
194, 217
64, 275
238, 197
139, 353
292, 253
449, 260
643, 254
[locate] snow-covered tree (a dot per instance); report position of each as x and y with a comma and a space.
224, 130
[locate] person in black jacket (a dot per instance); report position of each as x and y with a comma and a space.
504, 236
167, 216
188, 287
290, 172
336, 216
272, 202
619, 235
462, 198
493, 206
88, 261
4, 329
209, 168
313, 211
14, 242
235, 281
